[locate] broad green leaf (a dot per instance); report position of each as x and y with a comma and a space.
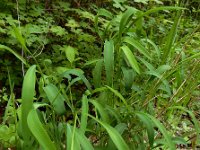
131, 58
101, 90
136, 44
38, 130
114, 135
84, 114
14, 53
97, 73
28, 92
56, 98
70, 53
109, 61
148, 123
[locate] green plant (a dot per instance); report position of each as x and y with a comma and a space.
126, 78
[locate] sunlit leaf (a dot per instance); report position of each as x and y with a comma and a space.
131, 58
38, 130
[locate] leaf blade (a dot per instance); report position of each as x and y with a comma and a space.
131, 58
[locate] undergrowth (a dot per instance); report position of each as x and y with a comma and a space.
112, 75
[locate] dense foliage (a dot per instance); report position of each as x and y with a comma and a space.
104, 75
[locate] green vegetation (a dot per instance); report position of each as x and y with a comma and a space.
100, 75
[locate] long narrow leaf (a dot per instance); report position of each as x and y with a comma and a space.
55, 98
101, 110
28, 92
109, 61
153, 10
131, 58
84, 142
162, 129
72, 141
171, 37
14, 53
114, 135
125, 19
97, 73
118, 95
79, 73
120, 128
39, 131
19, 37
148, 123
84, 113
138, 46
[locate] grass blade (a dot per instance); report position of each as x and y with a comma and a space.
131, 58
